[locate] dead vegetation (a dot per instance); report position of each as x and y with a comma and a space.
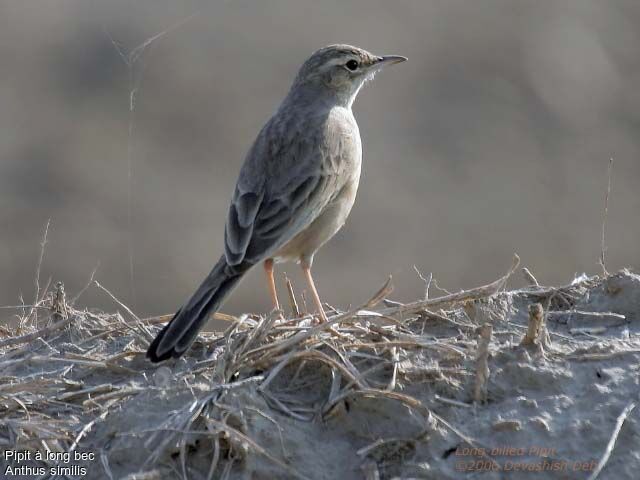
378, 391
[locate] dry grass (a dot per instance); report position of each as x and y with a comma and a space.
68, 371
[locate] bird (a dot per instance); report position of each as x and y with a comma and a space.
295, 189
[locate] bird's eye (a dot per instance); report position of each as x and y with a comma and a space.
352, 65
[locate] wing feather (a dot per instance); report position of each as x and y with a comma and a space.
284, 184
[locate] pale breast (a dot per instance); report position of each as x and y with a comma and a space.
343, 143
343, 160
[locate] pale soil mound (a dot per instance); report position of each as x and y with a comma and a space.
394, 391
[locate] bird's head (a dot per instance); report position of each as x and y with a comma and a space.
341, 70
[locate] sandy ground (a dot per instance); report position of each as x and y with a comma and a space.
405, 392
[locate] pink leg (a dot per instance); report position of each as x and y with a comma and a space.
268, 268
306, 268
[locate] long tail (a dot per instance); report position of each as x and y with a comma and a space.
176, 337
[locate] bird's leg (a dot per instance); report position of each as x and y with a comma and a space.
268, 268
306, 268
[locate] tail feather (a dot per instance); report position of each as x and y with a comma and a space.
176, 337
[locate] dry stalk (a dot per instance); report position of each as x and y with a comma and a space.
104, 460
437, 316
529, 278
463, 296
277, 347
295, 310
601, 356
244, 439
59, 305
29, 337
395, 358
482, 364
315, 355
271, 400
146, 336
36, 281
612, 441
603, 248
449, 401
535, 330
409, 343
426, 281
87, 285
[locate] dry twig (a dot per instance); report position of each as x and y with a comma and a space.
612, 441
482, 364
463, 296
536, 326
603, 248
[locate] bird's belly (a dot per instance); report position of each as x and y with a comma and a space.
328, 223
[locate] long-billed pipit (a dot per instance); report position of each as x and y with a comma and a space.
295, 189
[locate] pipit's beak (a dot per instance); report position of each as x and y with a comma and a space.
390, 60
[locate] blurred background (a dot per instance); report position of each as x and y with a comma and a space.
494, 138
